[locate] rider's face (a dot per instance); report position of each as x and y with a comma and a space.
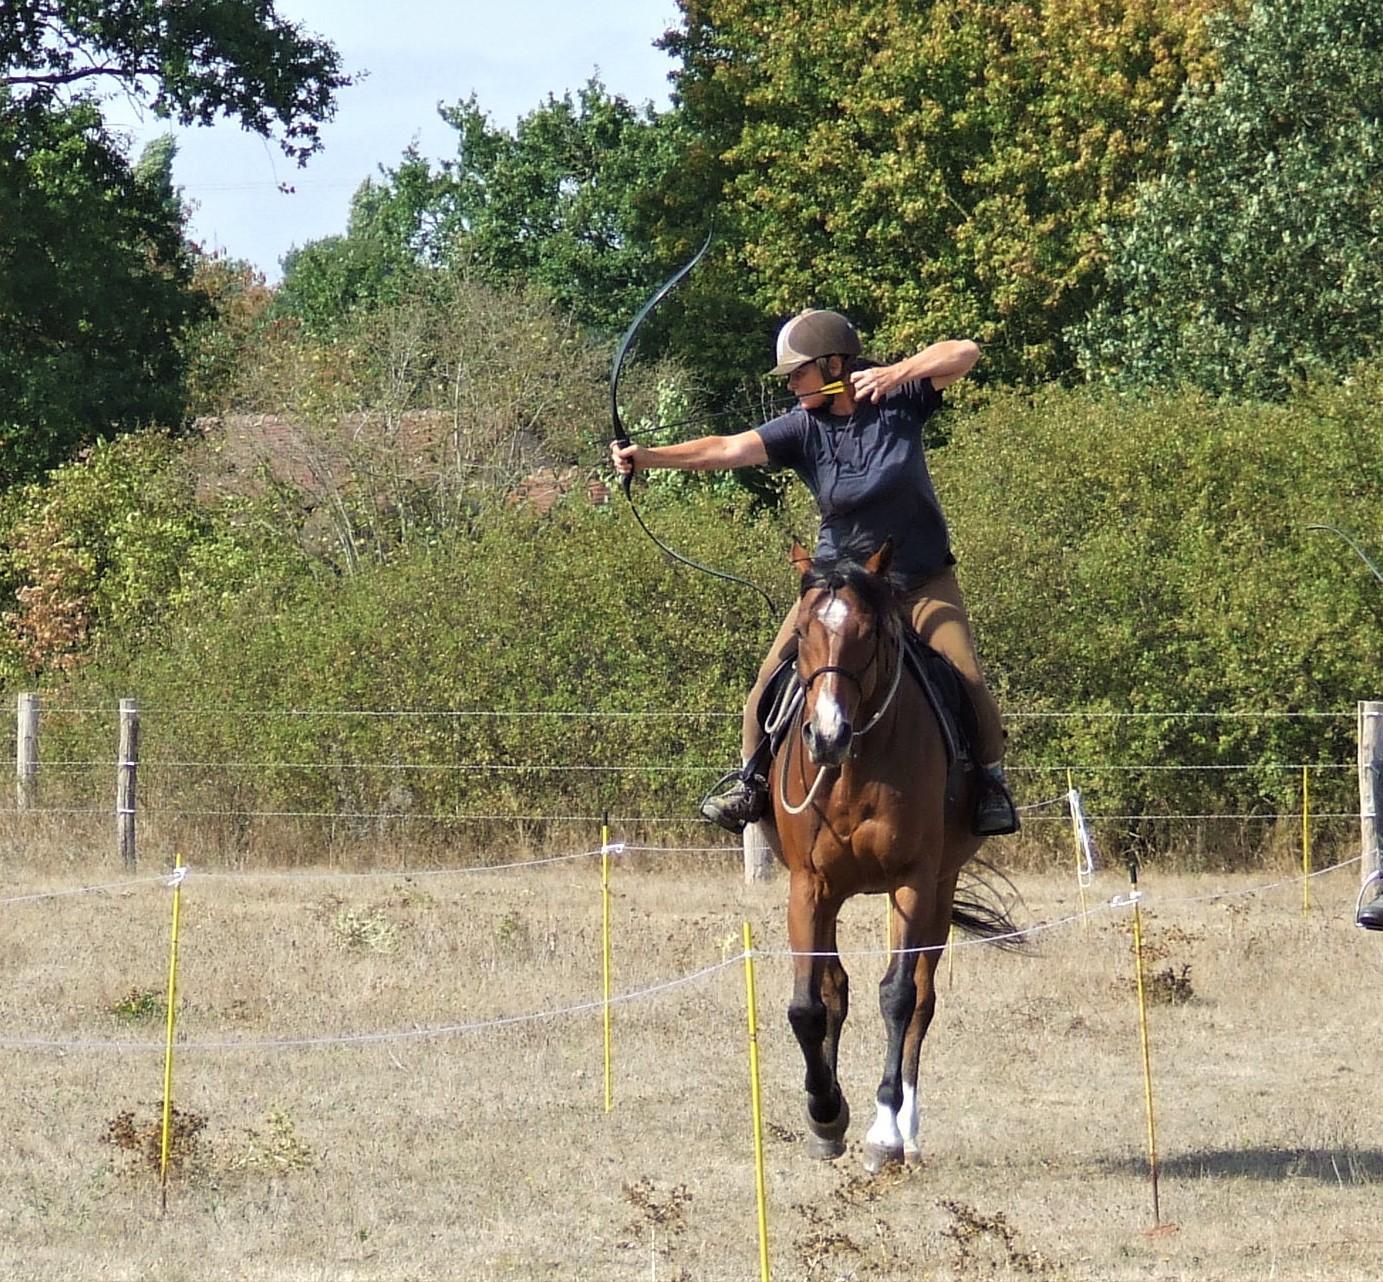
805, 383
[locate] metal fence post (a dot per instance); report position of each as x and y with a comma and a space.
126, 772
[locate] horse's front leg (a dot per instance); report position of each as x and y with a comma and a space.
907, 1000
817, 1011
930, 942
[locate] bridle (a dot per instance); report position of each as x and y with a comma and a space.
858, 679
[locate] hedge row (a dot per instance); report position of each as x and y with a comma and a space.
1150, 556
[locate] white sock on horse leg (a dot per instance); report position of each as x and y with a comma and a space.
885, 1132
907, 1118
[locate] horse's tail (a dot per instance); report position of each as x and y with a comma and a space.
984, 904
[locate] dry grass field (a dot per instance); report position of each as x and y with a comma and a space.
487, 1153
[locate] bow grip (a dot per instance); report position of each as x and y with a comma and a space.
623, 441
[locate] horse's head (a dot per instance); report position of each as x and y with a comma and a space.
842, 620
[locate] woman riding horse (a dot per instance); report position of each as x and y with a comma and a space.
855, 439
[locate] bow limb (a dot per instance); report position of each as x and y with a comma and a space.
621, 434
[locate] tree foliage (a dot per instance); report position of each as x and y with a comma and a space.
226, 348
327, 282
1253, 261
95, 289
567, 201
589, 199
190, 62
113, 543
934, 170
1155, 554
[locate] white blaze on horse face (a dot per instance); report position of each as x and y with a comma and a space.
833, 614
828, 716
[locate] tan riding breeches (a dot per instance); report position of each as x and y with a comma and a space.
937, 610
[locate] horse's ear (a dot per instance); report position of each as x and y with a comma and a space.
800, 558
878, 563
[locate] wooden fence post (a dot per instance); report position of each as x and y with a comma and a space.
125, 782
758, 855
1370, 784
26, 752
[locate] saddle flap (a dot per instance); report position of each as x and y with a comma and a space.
945, 691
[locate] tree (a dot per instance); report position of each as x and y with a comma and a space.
230, 342
190, 62
1253, 260
590, 200
938, 169
95, 291
570, 201
95, 287
327, 281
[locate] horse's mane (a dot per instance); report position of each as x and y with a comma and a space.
880, 592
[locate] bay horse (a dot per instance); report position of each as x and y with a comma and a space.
859, 806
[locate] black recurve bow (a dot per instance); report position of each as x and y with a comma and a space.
622, 435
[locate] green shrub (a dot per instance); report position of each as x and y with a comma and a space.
1154, 554
115, 541
1121, 556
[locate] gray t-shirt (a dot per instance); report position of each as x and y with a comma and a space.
869, 475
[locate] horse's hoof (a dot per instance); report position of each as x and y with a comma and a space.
826, 1140
912, 1155
825, 1149
878, 1156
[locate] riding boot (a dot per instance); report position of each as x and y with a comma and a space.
995, 815
1371, 914
736, 800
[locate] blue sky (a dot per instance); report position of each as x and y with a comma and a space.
417, 53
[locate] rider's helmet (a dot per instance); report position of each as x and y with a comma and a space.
813, 334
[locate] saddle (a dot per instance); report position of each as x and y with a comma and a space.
941, 683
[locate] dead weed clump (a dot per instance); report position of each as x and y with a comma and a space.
276, 1150
142, 1141
988, 1243
826, 1247
1170, 984
365, 930
662, 1217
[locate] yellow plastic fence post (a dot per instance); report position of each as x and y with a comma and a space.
1143, 1036
605, 957
756, 1104
176, 883
1305, 840
1080, 853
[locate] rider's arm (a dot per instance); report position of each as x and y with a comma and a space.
706, 454
943, 363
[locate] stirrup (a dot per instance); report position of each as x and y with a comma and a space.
995, 813
736, 800
1370, 916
